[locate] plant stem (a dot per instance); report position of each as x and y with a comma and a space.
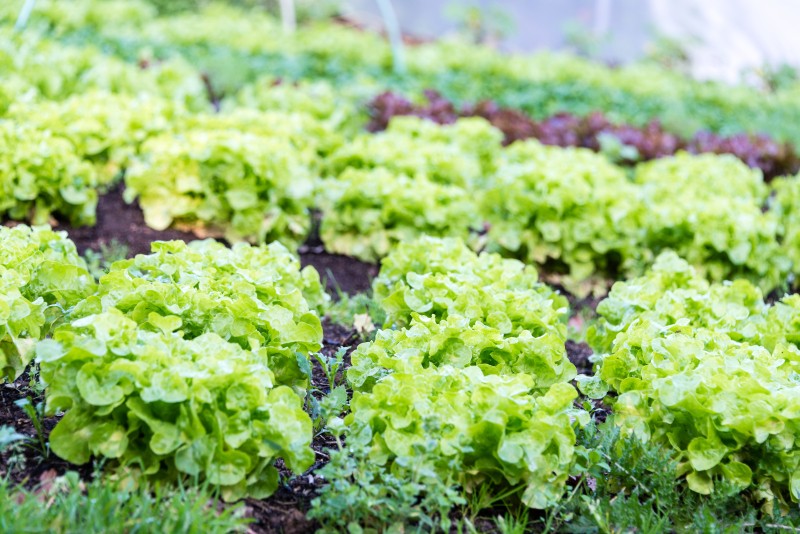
24, 15
288, 16
395, 37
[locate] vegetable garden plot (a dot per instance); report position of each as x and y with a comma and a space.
445, 394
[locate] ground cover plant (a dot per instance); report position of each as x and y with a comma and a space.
545, 295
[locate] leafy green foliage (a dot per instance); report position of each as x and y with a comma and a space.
339, 107
43, 176
41, 278
36, 68
237, 47
482, 428
725, 236
103, 128
672, 292
106, 506
310, 138
367, 212
460, 154
576, 214
362, 494
443, 277
34, 413
241, 185
256, 297
567, 207
171, 408
786, 206
458, 342
708, 370
99, 261
630, 484
463, 309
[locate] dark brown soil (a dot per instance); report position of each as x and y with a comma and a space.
24, 463
122, 223
340, 273
578, 354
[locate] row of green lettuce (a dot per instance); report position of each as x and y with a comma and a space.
235, 47
707, 371
189, 363
258, 169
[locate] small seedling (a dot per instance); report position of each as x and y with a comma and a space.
35, 412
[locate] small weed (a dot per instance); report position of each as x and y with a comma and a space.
102, 505
363, 495
100, 261
36, 413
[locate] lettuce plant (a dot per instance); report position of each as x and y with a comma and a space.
725, 236
460, 154
312, 139
41, 278
568, 209
367, 212
255, 297
441, 277
485, 429
708, 370
103, 128
171, 408
337, 107
41, 176
673, 291
241, 185
459, 342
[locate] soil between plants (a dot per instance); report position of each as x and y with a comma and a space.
123, 223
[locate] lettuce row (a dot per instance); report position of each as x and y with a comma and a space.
39, 69
41, 278
575, 213
255, 297
171, 408
709, 370
475, 380
236, 46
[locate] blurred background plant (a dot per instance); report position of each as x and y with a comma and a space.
305, 10
485, 25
